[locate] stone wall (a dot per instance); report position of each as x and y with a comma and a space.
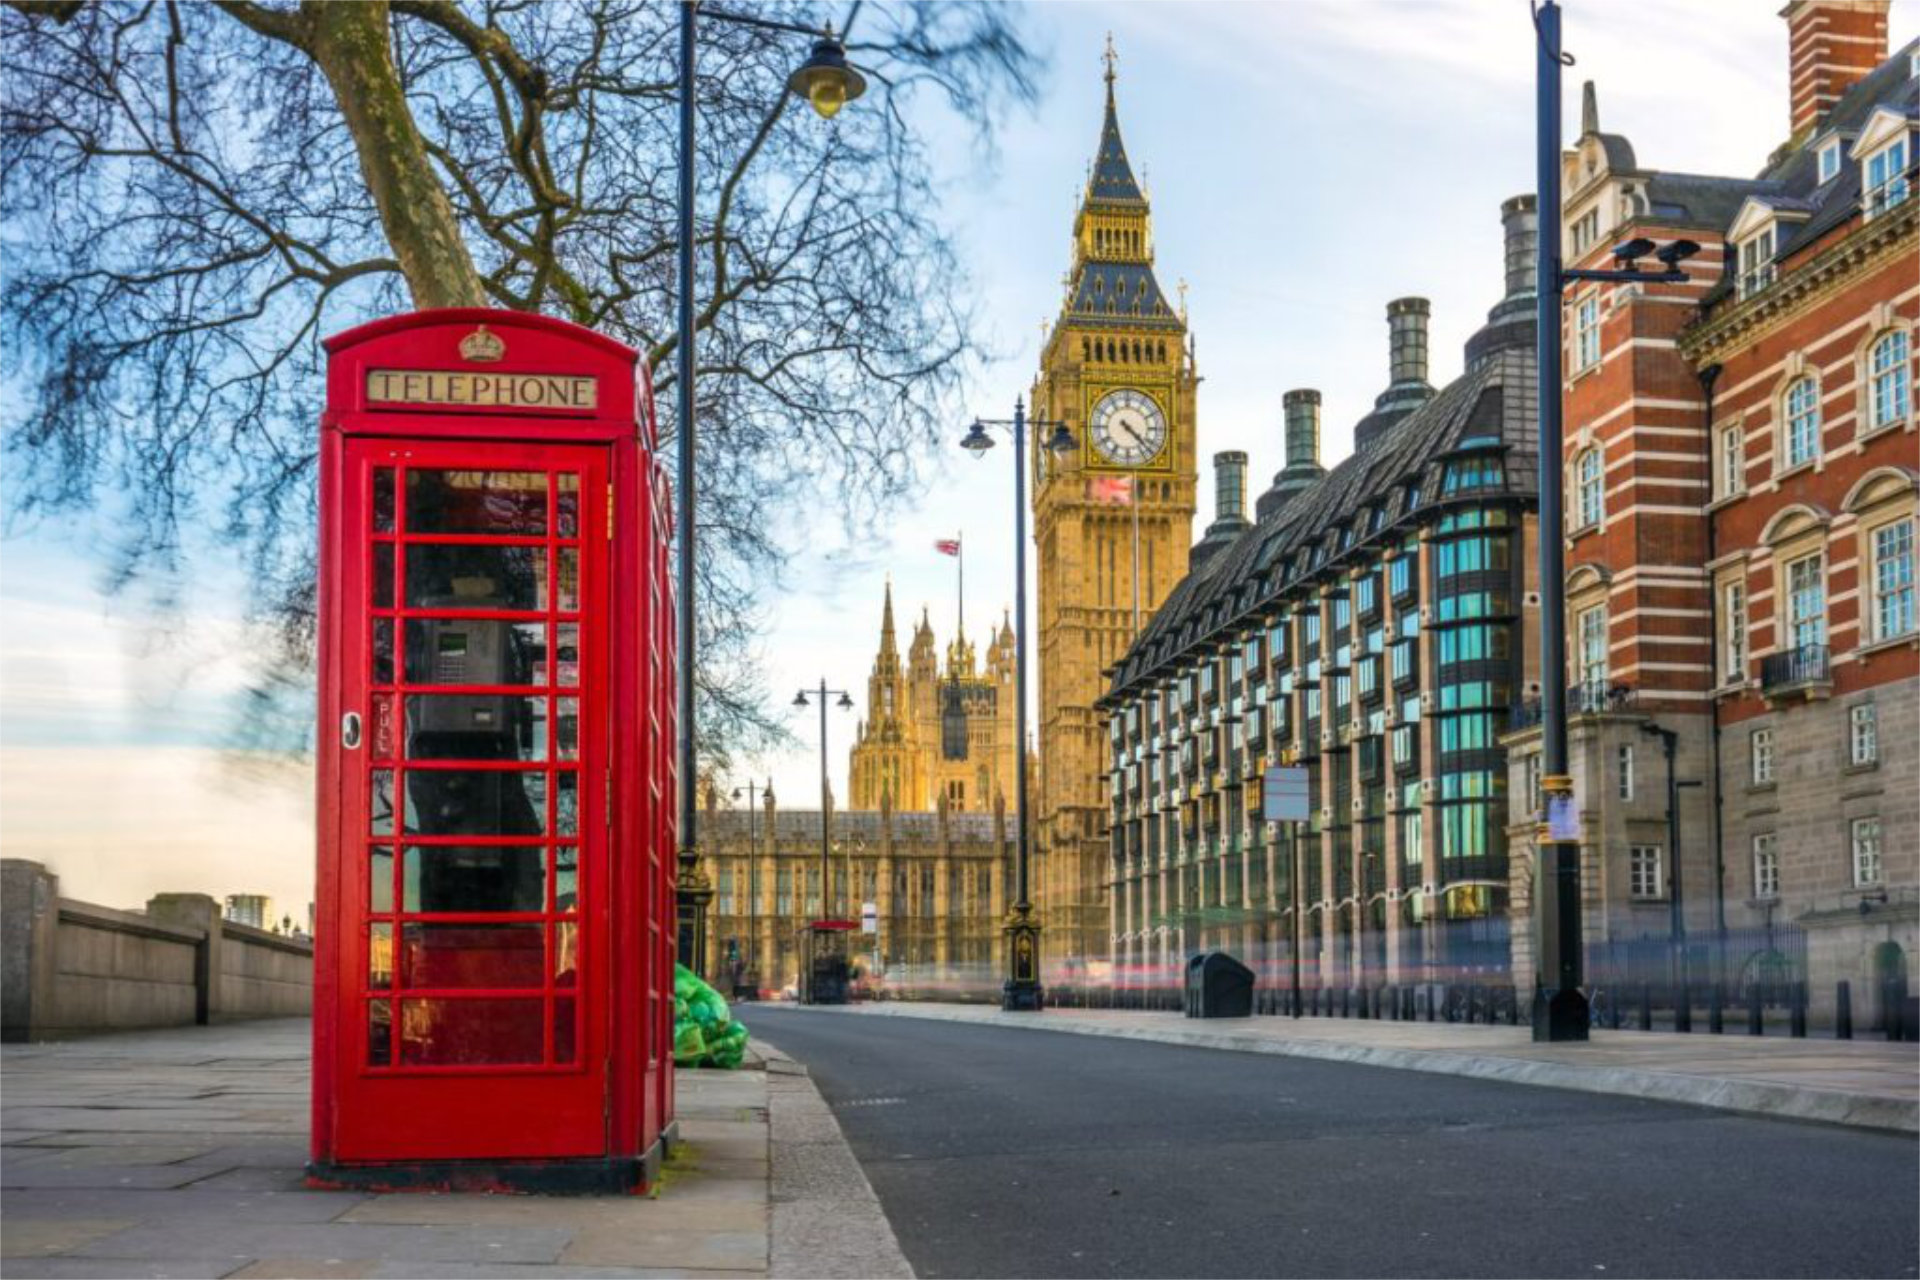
70, 968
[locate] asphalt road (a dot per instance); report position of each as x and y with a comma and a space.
1016, 1153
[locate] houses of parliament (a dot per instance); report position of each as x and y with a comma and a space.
927, 831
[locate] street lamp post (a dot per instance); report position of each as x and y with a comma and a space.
1560, 1009
1021, 990
801, 699
828, 83
753, 896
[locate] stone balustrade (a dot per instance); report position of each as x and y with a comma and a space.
70, 968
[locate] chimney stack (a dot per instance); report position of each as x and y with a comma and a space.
1521, 221
1303, 469
1230, 487
1303, 427
1510, 324
1407, 339
1831, 46
1229, 506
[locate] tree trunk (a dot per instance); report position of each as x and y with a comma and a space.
350, 42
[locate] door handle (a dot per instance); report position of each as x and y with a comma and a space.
350, 730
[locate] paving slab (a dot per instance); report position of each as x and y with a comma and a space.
72, 1268
182, 1153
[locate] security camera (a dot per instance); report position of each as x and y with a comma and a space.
1628, 250
1674, 252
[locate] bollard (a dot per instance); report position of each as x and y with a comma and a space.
1798, 1026
1430, 1001
1683, 1009
1716, 1010
1756, 1017
1843, 1011
1646, 1007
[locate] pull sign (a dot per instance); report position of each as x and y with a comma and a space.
350, 730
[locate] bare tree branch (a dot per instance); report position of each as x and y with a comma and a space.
197, 193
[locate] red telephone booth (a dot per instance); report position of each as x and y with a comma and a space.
493, 971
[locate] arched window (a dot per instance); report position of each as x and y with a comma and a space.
1802, 443
1888, 374
1589, 488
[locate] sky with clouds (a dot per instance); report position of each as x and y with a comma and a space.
1308, 160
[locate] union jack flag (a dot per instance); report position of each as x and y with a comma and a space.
947, 546
1116, 491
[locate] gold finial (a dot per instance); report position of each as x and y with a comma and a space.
1110, 58
1183, 299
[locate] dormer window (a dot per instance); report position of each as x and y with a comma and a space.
1586, 230
1885, 179
1829, 160
1756, 261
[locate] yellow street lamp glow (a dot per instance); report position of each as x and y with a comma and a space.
826, 80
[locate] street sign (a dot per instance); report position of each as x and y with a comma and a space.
869, 917
1283, 794
1563, 819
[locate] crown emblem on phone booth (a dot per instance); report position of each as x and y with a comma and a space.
482, 346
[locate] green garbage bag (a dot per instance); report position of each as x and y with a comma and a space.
704, 1032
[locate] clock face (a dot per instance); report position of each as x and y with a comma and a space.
1128, 428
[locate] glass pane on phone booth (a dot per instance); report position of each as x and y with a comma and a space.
476, 747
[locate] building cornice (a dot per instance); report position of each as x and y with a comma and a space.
1865, 248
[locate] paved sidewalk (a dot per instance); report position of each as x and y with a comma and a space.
181, 1153
1857, 1083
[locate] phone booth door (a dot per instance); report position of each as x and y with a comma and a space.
475, 760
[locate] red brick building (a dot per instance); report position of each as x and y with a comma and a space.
1741, 463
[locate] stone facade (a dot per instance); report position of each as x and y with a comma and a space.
1104, 565
1372, 626
939, 882
1741, 465
936, 736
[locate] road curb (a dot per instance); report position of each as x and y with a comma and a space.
1746, 1097
824, 1219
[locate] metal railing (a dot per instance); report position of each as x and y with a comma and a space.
1592, 698
1805, 664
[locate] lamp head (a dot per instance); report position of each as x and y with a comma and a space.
846, 702
736, 793
1061, 442
825, 79
977, 441
800, 698
1675, 252
1628, 250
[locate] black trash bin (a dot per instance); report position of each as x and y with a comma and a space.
1218, 986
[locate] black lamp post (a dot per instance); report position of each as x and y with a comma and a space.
1560, 1009
752, 894
826, 81
820, 931
1021, 991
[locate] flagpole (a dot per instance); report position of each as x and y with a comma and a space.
1133, 500
960, 567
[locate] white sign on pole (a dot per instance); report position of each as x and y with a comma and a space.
1283, 794
1563, 819
870, 917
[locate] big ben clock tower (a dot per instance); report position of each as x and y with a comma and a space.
1113, 521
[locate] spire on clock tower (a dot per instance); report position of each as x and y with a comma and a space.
1112, 275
